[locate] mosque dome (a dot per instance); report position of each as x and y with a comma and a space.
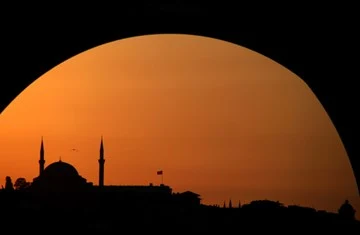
60, 169
59, 177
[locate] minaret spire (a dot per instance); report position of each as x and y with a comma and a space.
101, 164
42, 157
101, 146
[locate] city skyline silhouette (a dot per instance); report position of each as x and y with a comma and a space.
313, 44
59, 192
148, 129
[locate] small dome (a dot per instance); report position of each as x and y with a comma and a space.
61, 169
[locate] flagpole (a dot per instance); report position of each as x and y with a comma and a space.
162, 176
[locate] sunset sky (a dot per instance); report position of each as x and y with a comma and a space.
217, 118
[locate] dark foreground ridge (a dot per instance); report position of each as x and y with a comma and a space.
107, 211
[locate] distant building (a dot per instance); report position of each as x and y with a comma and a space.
188, 198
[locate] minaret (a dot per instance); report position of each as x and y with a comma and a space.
101, 164
42, 159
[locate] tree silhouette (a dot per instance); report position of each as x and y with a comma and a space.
8, 184
21, 184
347, 211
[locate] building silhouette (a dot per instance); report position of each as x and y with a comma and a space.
62, 180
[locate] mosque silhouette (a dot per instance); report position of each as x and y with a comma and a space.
62, 180
60, 198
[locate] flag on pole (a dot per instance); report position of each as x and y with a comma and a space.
159, 172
